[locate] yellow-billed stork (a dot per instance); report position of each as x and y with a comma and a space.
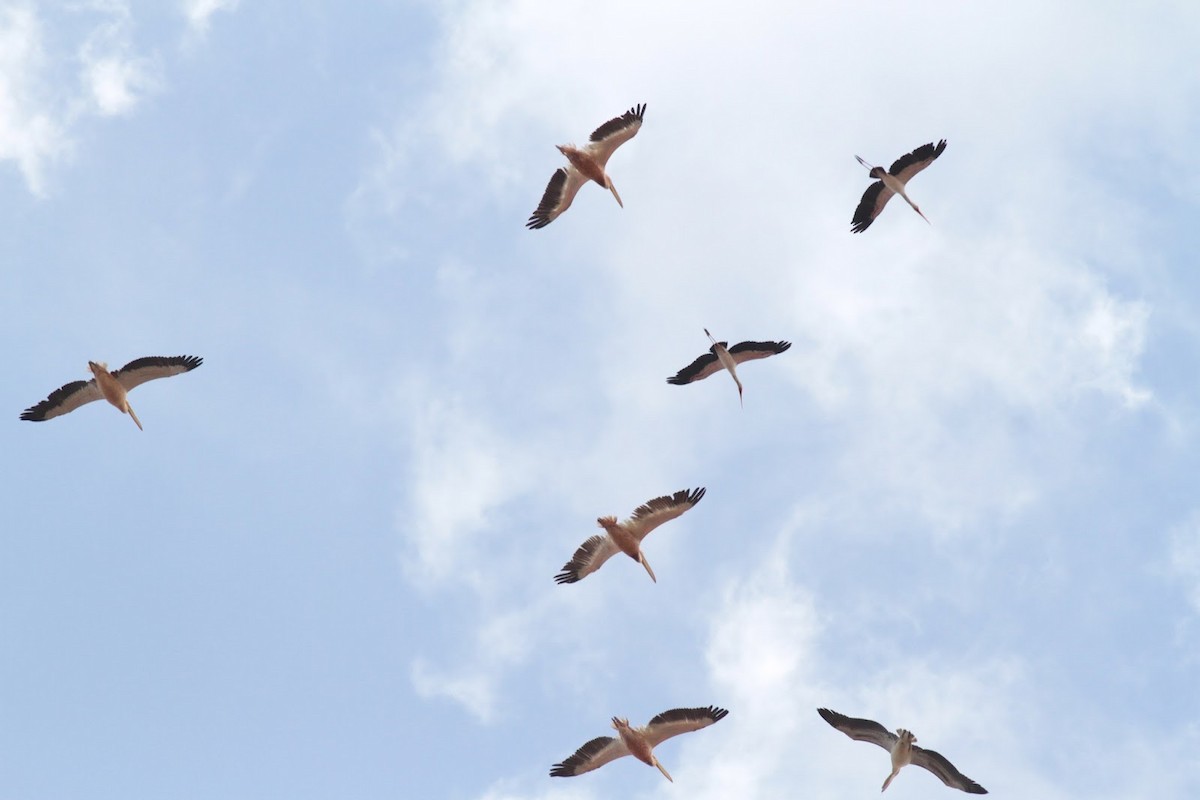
892, 182
637, 742
720, 355
626, 537
587, 163
903, 751
112, 386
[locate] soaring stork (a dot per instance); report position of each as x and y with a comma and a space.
637, 742
892, 182
112, 386
586, 164
719, 356
902, 749
627, 536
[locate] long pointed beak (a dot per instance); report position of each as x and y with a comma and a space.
922, 215
865, 164
613, 189
642, 560
663, 769
129, 408
888, 782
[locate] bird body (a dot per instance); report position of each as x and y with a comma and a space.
903, 750
892, 182
587, 164
721, 356
626, 537
111, 386
638, 742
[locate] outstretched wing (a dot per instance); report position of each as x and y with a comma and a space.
140, 370
939, 765
63, 400
863, 730
748, 351
593, 755
614, 133
560, 192
590, 556
681, 720
909, 164
870, 207
653, 513
699, 369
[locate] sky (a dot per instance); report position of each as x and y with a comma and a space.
964, 502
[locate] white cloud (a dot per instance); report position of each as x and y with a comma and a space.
115, 78
32, 133
199, 13
39, 108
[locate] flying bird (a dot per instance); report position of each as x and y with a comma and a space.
902, 749
587, 163
892, 182
112, 386
638, 742
627, 536
719, 355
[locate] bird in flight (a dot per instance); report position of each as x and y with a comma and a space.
626, 537
637, 742
720, 356
587, 164
892, 182
111, 386
902, 749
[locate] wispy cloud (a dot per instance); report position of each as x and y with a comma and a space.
39, 109
32, 131
115, 77
199, 13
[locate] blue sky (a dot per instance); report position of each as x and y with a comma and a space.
962, 503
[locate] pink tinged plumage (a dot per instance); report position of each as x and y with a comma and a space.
586, 164
111, 386
626, 537
637, 742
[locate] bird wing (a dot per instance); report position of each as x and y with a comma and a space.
614, 133
63, 400
653, 513
748, 351
680, 720
140, 370
590, 556
864, 730
699, 369
910, 164
560, 192
939, 765
870, 207
593, 755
